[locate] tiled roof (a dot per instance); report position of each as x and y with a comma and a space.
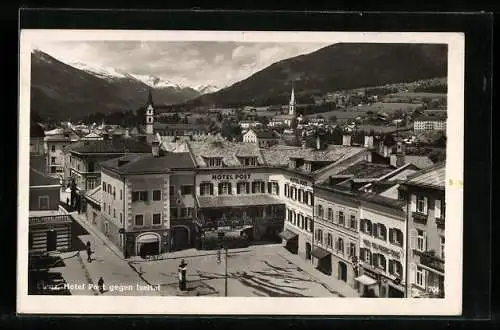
118, 145
95, 194
229, 151
366, 170
237, 200
440, 117
421, 162
147, 163
278, 155
434, 177
40, 179
265, 134
382, 200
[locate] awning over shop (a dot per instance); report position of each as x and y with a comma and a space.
147, 238
365, 279
319, 253
288, 235
237, 201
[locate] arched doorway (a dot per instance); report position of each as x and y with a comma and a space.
180, 238
308, 251
51, 240
148, 244
342, 271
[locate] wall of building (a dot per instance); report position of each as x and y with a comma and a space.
432, 237
53, 194
55, 159
391, 251
38, 238
179, 201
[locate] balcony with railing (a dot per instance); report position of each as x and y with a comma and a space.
419, 217
440, 223
430, 260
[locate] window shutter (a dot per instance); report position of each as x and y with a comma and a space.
391, 266
425, 205
277, 188
391, 235
230, 187
211, 189
425, 241
383, 230
220, 188
362, 225
413, 239
375, 259
238, 188
375, 230
262, 187
413, 273
145, 196
337, 216
437, 209
253, 187
269, 187
368, 227
399, 234
413, 207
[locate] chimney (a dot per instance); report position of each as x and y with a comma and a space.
155, 149
368, 141
318, 142
346, 140
304, 144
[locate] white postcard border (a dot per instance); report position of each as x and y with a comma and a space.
450, 305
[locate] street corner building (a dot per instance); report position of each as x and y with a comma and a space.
49, 227
138, 196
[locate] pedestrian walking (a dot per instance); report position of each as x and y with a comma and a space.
89, 252
100, 284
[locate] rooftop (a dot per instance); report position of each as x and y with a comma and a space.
95, 194
382, 200
440, 117
433, 177
229, 151
265, 134
366, 170
117, 145
148, 163
38, 179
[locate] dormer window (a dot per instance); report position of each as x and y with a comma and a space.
292, 163
248, 161
307, 167
213, 161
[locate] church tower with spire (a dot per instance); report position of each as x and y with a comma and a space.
291, 107
149, 114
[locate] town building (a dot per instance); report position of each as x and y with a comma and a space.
382, 229
250, 124
37, 135
182, 130
288, 119
49, 228
137, 201
424, 192
55, 143
429, 123
83, 157
261, 138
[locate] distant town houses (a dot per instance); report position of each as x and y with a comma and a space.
429, 123
262, 138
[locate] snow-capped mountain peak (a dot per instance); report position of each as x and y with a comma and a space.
155, 82
100, 71
207, 89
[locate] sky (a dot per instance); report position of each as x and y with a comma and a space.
193, 63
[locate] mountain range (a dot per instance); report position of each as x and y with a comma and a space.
63, 91
336, 67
